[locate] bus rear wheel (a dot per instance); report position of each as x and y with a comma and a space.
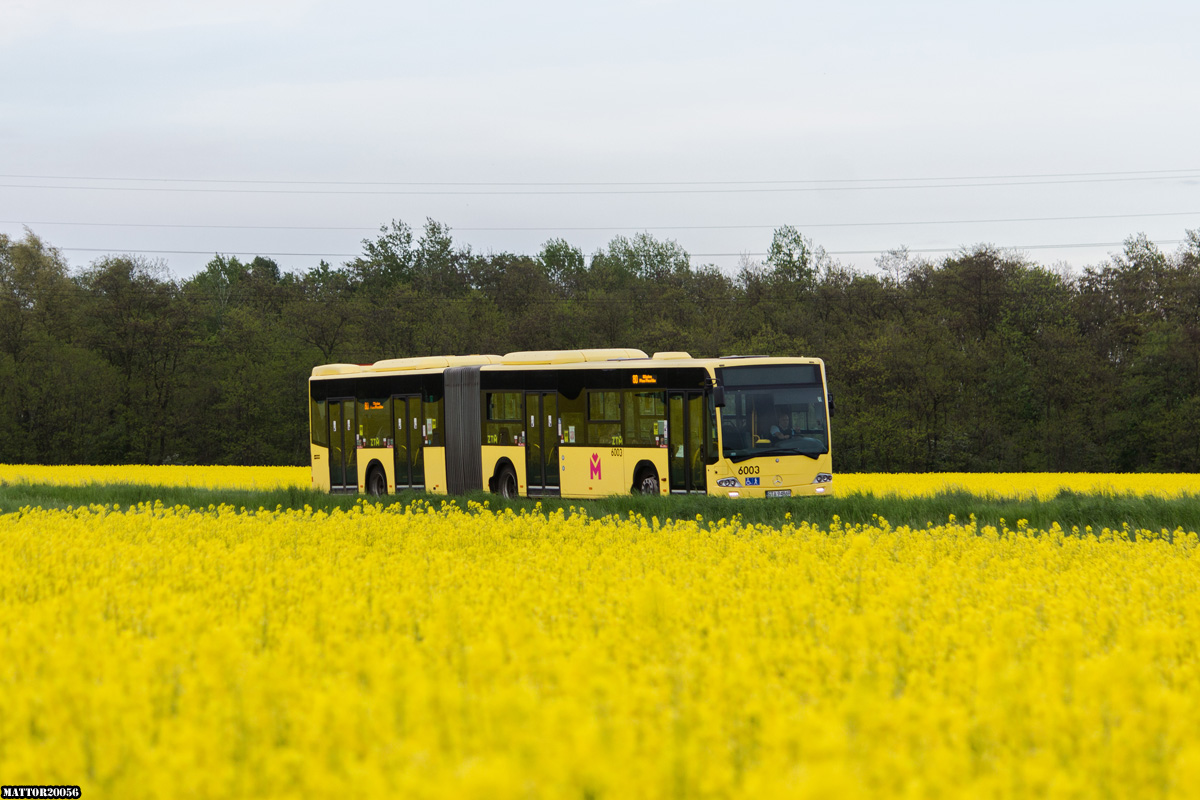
376, 482
506, 483
646, 481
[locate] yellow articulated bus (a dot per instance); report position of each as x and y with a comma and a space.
573, 423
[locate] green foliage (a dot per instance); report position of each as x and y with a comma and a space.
981, 361
388, 260
791, 259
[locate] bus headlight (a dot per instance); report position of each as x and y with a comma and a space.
823, 477
728, 483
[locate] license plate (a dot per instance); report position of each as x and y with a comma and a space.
779, 493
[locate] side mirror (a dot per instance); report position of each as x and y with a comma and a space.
719, 396
832, 408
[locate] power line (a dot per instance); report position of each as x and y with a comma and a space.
1076, 246
216, 227
1164, 173
621, 227
248, 253
599, 192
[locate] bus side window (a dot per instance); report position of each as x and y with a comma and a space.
374, 423
431, 408
604, 418
503, 413
710, 447
574, 417
644, 414
319, 414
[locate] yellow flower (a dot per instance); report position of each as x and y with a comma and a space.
425, 651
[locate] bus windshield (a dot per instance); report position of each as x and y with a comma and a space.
771, 418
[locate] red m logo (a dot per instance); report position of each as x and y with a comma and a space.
595, 474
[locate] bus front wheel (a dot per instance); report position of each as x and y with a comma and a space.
646, 481
377, 482
506, 483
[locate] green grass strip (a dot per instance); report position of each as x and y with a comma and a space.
1068, 509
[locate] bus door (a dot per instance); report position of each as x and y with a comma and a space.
685, 442
408, 450
343, 447
541, 443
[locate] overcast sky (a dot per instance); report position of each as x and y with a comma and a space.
868, 126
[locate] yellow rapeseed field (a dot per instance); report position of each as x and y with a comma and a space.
425, 652
1026, 485
1041, 485
168, 475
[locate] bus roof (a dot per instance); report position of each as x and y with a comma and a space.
605, 358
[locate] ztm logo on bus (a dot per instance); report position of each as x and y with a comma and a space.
595, 465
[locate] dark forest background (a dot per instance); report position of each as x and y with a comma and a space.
982, 360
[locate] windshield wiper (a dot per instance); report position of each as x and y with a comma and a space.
794, 451
744, 455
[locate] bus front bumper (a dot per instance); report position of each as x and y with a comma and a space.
823, 489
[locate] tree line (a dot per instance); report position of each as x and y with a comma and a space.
979, 361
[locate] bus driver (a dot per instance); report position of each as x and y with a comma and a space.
784, 429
